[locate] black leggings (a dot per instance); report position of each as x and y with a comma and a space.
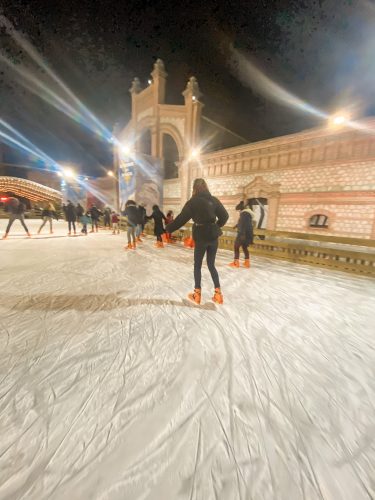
70, 224
159, 238
199, 250
237, 244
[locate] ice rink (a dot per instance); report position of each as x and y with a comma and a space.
113, 386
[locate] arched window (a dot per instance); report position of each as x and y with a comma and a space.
170, 157
318, 220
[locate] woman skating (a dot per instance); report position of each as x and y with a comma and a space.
209, 215
132, 215
244, 235
159, 230
16, 210
48, 214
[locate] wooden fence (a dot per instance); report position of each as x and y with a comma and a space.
354, 255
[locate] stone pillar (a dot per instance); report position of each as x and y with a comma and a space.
273, 209
134, 90
159, 79
193, 109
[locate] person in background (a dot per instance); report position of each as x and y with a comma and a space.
107, 218
132, 215
95, 214
115, 222
244, 234
169, 220
63, 208
85, 220
209, 215
143, 217
16, 210
48, 213
79, 212
159, 230
71, 217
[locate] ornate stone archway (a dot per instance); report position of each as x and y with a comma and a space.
260, 188
181, 122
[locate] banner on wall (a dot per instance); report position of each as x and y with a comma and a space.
141, 180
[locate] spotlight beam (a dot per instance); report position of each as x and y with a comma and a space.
35, 56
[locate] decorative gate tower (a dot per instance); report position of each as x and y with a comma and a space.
156, 127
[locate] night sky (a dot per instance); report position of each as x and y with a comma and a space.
321, 51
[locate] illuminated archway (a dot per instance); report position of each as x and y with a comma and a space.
28, 189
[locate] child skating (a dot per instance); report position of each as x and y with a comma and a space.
244, 235
159, 230
115, 219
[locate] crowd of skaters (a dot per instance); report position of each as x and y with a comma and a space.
206, 211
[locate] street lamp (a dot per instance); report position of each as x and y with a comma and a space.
194, 153
110, 173
339, 119
125, 149
68, 172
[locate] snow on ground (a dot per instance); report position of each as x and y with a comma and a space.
112, 386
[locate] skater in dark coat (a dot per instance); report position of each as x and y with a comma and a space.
107, 218
142, 217
16, 210
244, 234
95, 216
209, 215
71, 217
79, 211
159, 230
132, 215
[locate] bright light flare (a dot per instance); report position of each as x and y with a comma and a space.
339, 120
195, 153
125, 149
110, 173
68, 172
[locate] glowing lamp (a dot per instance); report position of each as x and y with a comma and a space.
110, 173
194, 153
68, 172
125, 149
194, 98
4, 198
59, 174
149, 82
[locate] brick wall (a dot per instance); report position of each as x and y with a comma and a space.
338, 167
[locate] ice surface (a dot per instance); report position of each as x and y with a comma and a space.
112, 386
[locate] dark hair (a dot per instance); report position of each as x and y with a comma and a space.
130, 202
155, 207
170, 212
200, 186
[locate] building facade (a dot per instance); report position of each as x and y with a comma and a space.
321, 180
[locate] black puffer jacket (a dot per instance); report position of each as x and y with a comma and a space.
245, 227
70, 212
132, 214
208, 214
158, 217
95, 213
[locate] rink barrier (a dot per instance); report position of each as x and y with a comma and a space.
352, 255
340, 253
